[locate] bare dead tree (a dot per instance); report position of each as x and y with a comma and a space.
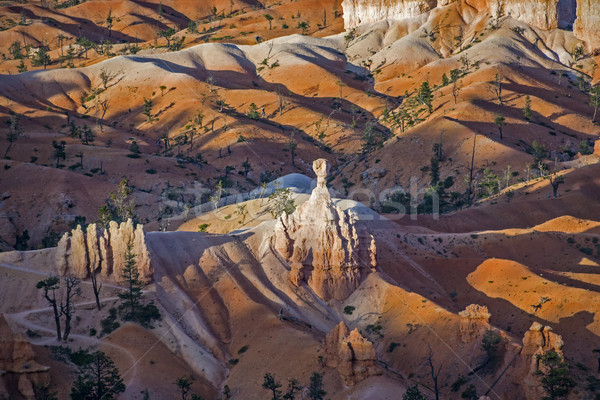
496, 88
50, 285
67, 308
434, 374
101, 106
471, 170
97, 286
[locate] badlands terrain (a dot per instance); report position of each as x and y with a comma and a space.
373, 198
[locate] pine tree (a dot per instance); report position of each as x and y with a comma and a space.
555, 377
98, 380
499, 122
132, 297
425, 96
315, 388
527, 109
413, 393
271, 384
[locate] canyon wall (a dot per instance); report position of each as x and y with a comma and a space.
581, 15
81, 253
357, 12
587, 24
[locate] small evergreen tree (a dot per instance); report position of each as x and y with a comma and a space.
413, 393
98, 380
555, 377
445, 80
86, 135
59, 151
41, 58
253, 112
527, 109
119, 207
303, 26
147, 110
490, 343
269, 18
15, 130
293, 388
315, 388
16, 51
184, 384
131, 299
281, 201
271, 384
499, 122
425, 96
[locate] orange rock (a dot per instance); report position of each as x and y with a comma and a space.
321, 243
586, 24
539, 339
351, 354
81, 252
474, 320
18, 358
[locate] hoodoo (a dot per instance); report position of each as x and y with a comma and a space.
323, 244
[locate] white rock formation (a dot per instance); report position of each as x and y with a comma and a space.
81, 253
541, 14
323, 244
587, 24
357, 12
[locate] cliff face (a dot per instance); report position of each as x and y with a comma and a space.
81, 253
358, 12
587, 24
582, 15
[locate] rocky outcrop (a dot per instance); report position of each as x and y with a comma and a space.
19, 371
475, 319
539, 339
541, 14
351, 354
79, 253
323, 244
587, 23
357, 12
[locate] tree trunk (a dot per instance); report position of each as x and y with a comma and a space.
96, 289
56, 319
8, 148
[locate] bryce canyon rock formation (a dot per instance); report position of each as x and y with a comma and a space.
474, 320
537, 341
357, 12
19, 371
586, 24
352, 354
80, 253
323, 244
582, 15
